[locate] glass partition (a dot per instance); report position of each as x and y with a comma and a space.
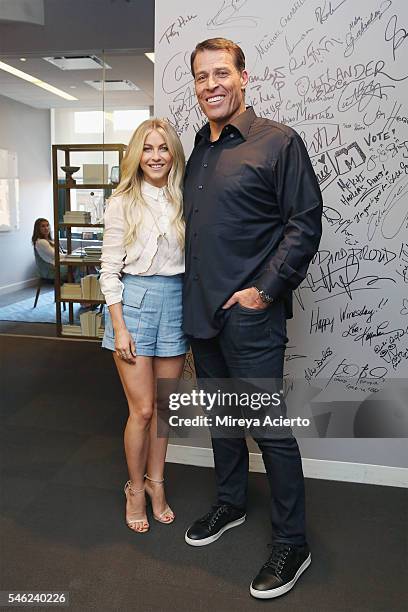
89, 102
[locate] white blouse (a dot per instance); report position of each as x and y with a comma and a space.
45, 250
155, 251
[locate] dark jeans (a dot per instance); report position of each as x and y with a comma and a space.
252, 345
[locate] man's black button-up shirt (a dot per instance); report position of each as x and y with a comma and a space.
253, 207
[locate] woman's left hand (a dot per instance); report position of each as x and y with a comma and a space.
124, 345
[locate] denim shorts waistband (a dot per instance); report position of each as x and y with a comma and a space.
154, 280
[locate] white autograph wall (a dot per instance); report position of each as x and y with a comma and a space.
337, 73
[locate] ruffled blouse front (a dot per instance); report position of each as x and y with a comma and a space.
155, 251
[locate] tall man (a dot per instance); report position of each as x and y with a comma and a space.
253, 223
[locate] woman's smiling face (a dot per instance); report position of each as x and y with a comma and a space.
156, 160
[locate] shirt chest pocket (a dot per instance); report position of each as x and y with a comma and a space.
229, 166
230, 179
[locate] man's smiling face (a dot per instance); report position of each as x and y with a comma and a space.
219, 86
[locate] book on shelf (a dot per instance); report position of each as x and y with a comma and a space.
89, 326
77, 216
71, 291
85, 324
86, 287
77, 222
72, 330
93, 253
93, 250
99, 329
72, 257
77, 213
92, 247
91, 323
90, 288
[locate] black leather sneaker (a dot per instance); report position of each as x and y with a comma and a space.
212, 525
279, 574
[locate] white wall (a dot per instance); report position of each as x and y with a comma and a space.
27, 132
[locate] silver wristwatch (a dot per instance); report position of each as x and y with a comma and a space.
267, 299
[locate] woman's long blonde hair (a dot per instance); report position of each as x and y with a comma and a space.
130, 186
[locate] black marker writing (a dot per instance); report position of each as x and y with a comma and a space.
396, 36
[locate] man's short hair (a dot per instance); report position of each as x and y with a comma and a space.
220, 44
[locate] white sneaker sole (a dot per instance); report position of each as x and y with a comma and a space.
285, 587
214, 537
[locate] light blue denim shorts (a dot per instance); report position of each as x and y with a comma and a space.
152, 310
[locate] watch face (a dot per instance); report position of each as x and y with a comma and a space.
265, 297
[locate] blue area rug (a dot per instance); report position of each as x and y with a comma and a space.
43, 313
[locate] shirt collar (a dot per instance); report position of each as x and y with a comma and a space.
242, 124
152, 191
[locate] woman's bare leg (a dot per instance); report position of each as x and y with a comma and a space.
163, 367
138, 384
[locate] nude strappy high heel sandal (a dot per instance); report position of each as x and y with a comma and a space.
131, 522
167, 511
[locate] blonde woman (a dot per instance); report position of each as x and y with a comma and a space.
141, 278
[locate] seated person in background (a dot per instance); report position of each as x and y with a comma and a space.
44, 250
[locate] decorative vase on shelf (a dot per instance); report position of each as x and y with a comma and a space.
69, 171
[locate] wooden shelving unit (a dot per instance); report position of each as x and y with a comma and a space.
67, 227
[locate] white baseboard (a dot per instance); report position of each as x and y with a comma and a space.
30, 282
313, 468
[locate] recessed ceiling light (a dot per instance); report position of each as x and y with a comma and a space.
113, 85
72, 86
35, 81
78, 62
23, 59
150, 56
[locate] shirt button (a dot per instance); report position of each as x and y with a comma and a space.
231, 135
195, 277
200, 186
195, 257
195, 234
211, 146
196, 210
205, 165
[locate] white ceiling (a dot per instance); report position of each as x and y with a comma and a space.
133, 66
